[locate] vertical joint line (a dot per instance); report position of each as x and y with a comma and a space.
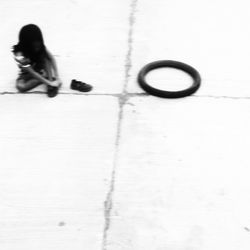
108, 204
128, 62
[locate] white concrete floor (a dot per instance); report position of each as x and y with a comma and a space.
115, 169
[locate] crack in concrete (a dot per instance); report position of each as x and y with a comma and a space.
123, 98
128, 61
118, 95
223, 97
108, 204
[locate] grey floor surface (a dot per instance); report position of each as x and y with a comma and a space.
118, 169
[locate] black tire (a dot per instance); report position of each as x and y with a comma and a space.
172, 64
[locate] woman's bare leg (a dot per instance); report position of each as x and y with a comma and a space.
52, 91
25, 85
49, 71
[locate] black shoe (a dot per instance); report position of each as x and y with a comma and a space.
52, 91
80, 86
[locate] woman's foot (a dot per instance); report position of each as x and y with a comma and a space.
52, 91
53, 87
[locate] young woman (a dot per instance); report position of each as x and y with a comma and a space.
36, 63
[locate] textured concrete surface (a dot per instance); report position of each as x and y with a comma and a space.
56, 160
182, 179
117, 169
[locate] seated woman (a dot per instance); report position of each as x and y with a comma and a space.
37, 65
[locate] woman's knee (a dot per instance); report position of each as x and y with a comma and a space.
24, 86
21, 86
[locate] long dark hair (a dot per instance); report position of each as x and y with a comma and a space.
27, 36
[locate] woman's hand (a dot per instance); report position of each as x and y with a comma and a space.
56, 83
22, 61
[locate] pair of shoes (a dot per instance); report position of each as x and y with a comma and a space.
80, 86
52, 91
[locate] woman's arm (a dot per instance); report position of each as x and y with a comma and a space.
24, 64
36, 75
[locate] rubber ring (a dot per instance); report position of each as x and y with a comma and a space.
172, 64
